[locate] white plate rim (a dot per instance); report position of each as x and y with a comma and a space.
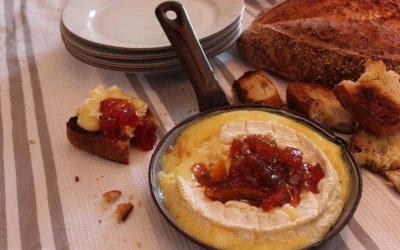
74, 21
138, 55
152, 64
140, 68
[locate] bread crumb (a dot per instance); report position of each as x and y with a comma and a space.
76, 178
139, 204
123, 211
138, 244
111, 196
99, 177
31, 142
99, 221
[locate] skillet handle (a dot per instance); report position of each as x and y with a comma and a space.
180, 33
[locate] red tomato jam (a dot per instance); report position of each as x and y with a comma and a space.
117, 115
145, 133
260, 173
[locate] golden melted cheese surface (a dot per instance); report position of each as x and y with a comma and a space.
202, 142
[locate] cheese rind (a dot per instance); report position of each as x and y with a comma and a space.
280, 222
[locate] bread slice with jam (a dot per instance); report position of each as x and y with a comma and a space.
113, 149
109, 122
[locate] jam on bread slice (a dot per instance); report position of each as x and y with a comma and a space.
109, 121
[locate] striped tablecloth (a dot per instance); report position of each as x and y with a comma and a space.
41, 205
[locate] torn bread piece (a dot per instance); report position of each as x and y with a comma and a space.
378, 153
374, 100
320, 104
256, 87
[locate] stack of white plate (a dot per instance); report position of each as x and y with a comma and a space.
125, 35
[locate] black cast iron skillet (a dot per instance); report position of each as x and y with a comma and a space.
212, 101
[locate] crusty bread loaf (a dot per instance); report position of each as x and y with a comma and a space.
256, 87
378, 153
95, 142
320, 104
324, 41
374, 99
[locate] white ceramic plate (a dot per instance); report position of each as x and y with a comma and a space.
92, 49
132, 24
144, 65
150, 64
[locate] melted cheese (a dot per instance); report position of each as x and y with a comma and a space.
88, 114
236, 225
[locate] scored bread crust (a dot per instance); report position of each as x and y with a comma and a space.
323, 41
95, 142
298, 60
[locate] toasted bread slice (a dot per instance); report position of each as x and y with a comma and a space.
376, 153
394, 177
256, 87
108, 121
323, 41
113, 149
320, 104
374, 100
